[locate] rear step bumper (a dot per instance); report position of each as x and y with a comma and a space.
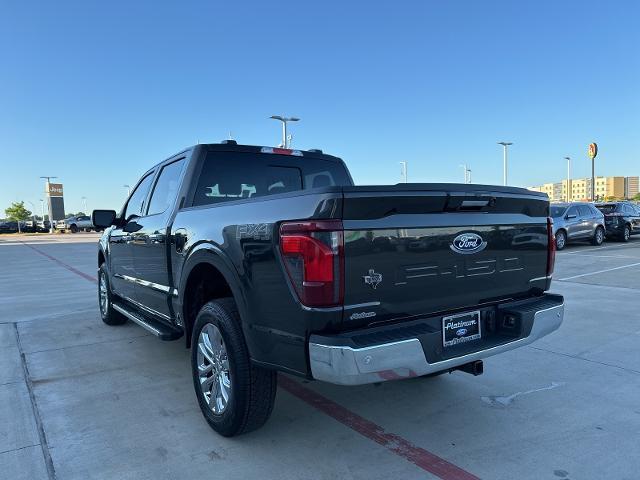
336, 359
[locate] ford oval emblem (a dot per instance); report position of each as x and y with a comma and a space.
467, 243
461, 332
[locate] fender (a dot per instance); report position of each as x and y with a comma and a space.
103, 247
214, 256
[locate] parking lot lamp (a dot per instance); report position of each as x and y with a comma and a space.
569, 193
504, 161
284, 120
84, 203
403, 171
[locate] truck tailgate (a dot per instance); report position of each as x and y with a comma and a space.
419, 249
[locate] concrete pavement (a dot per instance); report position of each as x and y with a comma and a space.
81, 400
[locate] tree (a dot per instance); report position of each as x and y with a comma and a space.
636, 197
17, 212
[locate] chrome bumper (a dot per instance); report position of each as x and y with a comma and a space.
344, 365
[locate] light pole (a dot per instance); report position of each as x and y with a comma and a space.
403, 171
33, 214
48, 179
284, 121
569, 192
467, 173
128, 190
505, 145
42, 211
84, 203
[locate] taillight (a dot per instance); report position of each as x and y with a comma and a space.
313, 255
551, 247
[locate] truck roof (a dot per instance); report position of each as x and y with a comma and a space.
232, 146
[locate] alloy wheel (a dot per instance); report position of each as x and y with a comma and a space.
102, 292
599, 236
213, 368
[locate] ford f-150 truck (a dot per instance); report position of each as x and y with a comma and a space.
269, 259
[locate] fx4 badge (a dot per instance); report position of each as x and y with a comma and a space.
373, 278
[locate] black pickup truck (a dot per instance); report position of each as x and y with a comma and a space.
270, 259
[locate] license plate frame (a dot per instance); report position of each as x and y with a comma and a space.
467, 321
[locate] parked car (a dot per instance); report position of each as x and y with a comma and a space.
43, 226
622, 219
8, 226
28, 226
75, 224
269, 259
577, 221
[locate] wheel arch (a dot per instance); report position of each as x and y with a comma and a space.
207, 275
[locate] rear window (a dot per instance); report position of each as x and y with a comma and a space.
607, 208
234, 176
557, 211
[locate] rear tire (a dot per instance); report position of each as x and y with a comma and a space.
626, 233
561, 239
234, 395
598, 236
107, 313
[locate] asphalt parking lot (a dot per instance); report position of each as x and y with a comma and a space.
81, 400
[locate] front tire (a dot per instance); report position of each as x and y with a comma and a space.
598, 236
73, 228
234, 395
107, 313
561, 239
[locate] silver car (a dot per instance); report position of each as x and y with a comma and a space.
75, 224
577, 221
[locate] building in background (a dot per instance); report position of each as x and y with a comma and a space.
631, 187
607, 188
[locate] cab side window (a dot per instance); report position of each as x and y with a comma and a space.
166, 189
137, 198
572, 211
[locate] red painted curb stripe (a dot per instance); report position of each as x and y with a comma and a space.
62, 264
419, 456
396, 444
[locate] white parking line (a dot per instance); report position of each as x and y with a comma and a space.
599, 271
606, 256
602, 248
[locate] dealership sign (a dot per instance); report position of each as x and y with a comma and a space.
54, 189
593, 150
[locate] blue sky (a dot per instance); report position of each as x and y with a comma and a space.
96, 92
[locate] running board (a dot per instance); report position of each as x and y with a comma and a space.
160, 330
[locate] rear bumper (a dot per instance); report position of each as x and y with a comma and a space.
345, 364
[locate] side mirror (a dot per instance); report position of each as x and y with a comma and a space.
103, 218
